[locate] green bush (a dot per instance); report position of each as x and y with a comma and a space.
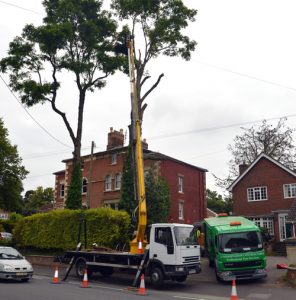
59, 229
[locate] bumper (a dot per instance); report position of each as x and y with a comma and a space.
187, 270
242, 274
16, 275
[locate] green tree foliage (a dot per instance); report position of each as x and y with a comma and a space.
76, 38
73, 200
159, 25
216, 203
37, 199
158, 199
11, 173
274, 141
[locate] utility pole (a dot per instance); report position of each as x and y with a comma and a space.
93, 145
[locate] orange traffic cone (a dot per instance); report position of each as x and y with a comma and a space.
85, 280
56, 276
233, 291
140, 249
142, 290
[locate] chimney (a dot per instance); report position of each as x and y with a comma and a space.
144, 144
242, 168
115, 139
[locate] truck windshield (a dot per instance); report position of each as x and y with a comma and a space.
185, 236
240, 242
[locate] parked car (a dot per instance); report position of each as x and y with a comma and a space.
13, 265
5, 235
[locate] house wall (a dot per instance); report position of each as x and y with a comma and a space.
264, 173
193, 195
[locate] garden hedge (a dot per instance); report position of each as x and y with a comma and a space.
59, 229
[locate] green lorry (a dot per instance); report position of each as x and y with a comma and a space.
234, 247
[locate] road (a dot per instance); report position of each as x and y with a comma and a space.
198, 287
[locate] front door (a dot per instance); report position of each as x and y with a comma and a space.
284, 228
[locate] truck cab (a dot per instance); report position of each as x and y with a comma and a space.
174, 252
234, 246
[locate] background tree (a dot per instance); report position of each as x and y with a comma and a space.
73, 200
217, 203
274, 141
158, 199
37, 198
11, 173
159, 25
77, 37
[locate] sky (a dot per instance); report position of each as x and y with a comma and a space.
242, 72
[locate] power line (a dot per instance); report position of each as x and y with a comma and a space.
246, 75
20, 7
169, 135
43, 128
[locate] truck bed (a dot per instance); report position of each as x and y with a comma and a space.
113, 259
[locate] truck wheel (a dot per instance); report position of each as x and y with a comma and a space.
106, 271
156, 277
217, 277
80, 267
181, 278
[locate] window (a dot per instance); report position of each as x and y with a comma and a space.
111, 204
257, 193
84, 186
108, 183
181, 210
117, 181
62, 190
180, 183
266, 222
290, 190
113, 158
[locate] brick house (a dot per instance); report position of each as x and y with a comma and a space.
102, 180
264, 192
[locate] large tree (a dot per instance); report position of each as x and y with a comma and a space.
34, 200
274, 141
11, 173
159, 25
217, 203
77, 37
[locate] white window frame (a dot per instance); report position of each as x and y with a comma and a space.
266, 222
181, 210
62, 190
108, 183
113, 158
112, 204
289, 190
117, 181
84, 185
282, 226
180, 183
255, 191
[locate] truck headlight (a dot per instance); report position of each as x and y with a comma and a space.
180, 269
7, 268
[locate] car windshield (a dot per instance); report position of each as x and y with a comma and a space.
10, 253
185, 236
240, 242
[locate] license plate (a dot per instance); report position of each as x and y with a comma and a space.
192, 271
21, 274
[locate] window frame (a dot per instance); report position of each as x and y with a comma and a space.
255, 191
292, 187
117, 183
181, 210
84, 186
181, 184
62, 190
113, 158
108, 183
